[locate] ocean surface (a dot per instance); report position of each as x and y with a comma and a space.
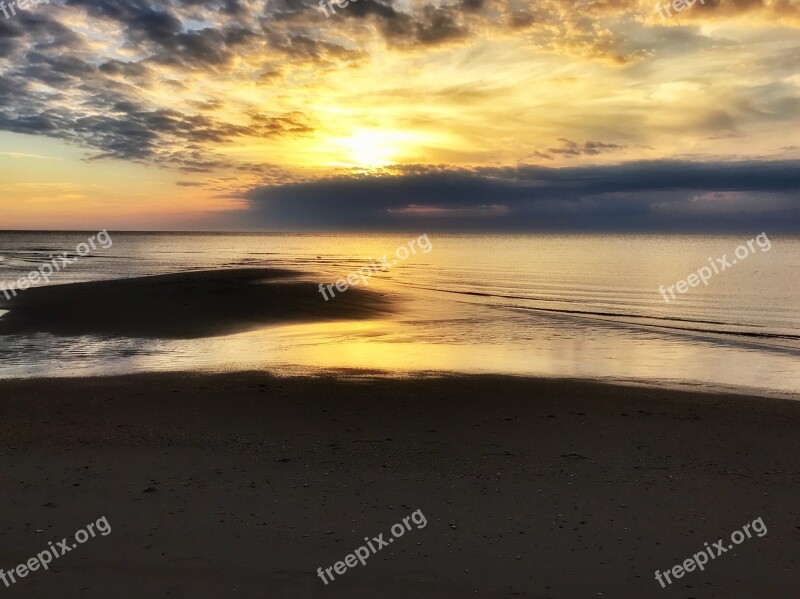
575, 306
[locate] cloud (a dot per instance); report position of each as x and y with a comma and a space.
27, 155
178, 83
571, 149
640, 196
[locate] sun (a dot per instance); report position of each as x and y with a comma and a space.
373, 148
367, 148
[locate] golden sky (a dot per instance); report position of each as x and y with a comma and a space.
122, 114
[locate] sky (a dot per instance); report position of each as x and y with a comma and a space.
455, 115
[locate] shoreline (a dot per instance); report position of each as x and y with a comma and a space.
296, 371
246, 483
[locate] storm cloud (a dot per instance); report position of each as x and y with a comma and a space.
641, 196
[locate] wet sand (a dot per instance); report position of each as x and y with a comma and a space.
182, 306
242, 485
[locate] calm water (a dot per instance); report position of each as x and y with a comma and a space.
582, 306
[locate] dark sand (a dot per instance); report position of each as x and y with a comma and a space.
242, 485
181, 306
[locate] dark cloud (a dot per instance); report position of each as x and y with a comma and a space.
571, 149
429, 27
212, 104
472, 4
189, 184
439, 25
303, 46
112, 9
361, 9
642, 196
124, 129
10, 37
168, 33
128, 70
54, 83
520, 19
157, 26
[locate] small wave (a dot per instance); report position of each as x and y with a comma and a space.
627, 317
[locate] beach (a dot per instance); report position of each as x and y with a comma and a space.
244, 484
424, 300
224, 480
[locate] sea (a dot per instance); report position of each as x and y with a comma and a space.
574, 306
